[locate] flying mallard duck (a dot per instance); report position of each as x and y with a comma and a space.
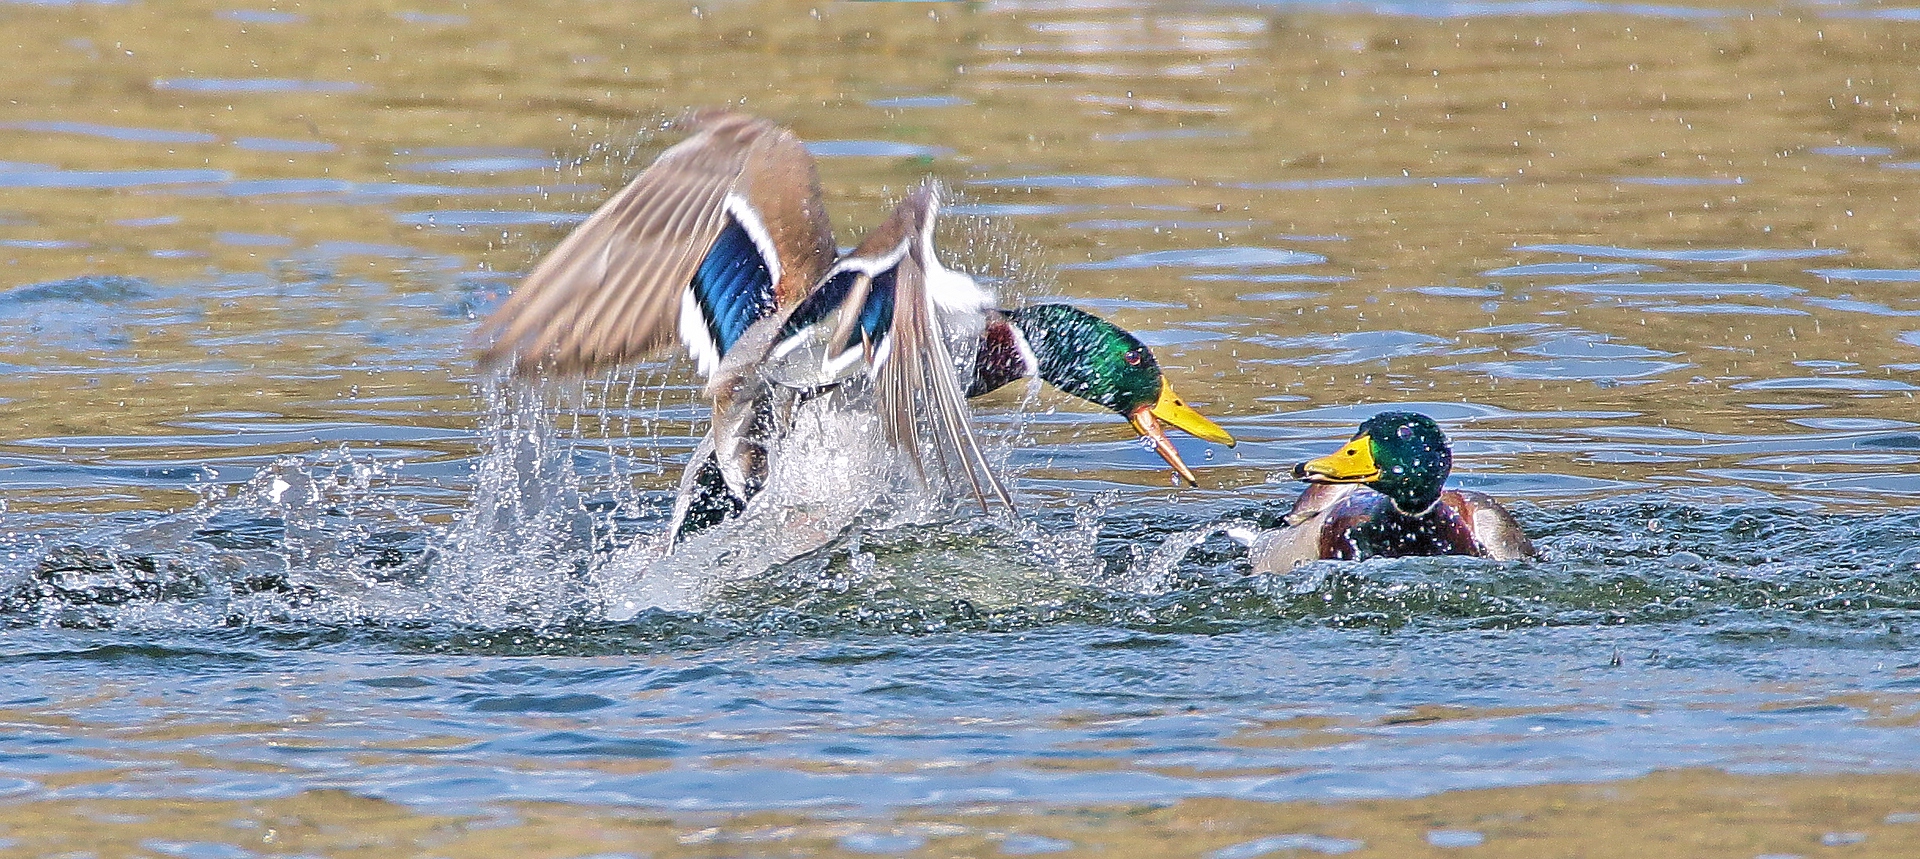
1383, 495
723, 245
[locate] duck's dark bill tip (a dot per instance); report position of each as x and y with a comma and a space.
1313, 472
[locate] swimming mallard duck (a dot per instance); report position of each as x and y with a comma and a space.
1383, 495
723, 244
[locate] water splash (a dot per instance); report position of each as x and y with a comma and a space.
830, 477
521, 552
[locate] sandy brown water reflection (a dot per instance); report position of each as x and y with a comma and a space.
1688, 219
1680, 814
1654, 264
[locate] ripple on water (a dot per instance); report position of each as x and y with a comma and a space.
112, 132
1178, 336
918, 101
1443, 411
1551, 269
271, 187
1722, 309
1352, 347
251, 240
1226, 257
280, 144
1639, 289
463, 218
1461, 291
1589, 346
1292, 842
1079, 181
1550, 8
1679, 181
882, 842
874, 149
1455, 838
503, 163
1855, 306
1568, 368
1747, 255
1112, 304
197, 849
1361, 182
1019, 844
1850, 424
1280, 295
1852, 151
1824, 383
1267, 277
1015, 210
1163, 134
57, 178
261, 16
1869, 275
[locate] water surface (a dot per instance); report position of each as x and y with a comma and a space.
283, 577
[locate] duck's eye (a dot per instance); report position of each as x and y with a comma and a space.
1133, 357
1406, 433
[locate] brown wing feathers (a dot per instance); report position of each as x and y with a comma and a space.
610, 292
916, 382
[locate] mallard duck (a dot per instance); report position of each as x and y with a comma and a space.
723, 244
1383, 494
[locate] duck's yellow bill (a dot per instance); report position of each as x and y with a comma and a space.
1175, 413
1350, 464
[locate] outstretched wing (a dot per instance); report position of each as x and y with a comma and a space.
891, 307
893, 304
714, 235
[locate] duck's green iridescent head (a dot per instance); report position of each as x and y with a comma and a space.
1402, 455
1102, 363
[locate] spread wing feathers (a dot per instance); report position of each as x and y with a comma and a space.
849, 316
682, 249
918, 391
732, 289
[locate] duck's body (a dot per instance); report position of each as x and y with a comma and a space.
1382, 496
724, 245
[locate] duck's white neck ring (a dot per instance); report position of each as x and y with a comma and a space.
1423, 512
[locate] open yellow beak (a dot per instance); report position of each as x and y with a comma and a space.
1175, 413
1350, 464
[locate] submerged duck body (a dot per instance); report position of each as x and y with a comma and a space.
723, 246
1383, 495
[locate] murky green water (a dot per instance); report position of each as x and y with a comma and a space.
282, 579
